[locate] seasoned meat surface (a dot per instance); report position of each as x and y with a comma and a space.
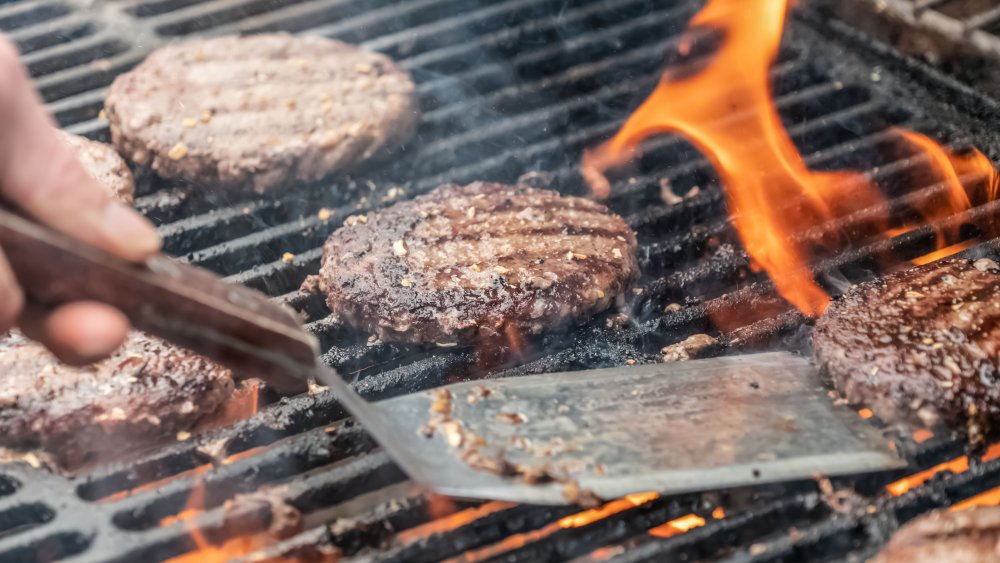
920, 342
259, 110
146, 391
475, 261
965, 536
104, 165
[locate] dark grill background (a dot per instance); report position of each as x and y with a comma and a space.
507, 87
961, 36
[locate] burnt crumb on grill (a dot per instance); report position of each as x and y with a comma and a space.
104, 165
310, 285
919, 345
482, 261
575, 494
971, 535
669, 197
216, 450
260, 110
147, 392
264, 508
844, 501
691, 347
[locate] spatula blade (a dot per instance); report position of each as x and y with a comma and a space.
670, 428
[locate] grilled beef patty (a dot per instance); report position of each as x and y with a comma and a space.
146, 391
965, 536
104, 165
924, 341
259, 110
465, 262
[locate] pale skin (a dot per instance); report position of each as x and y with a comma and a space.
40, 175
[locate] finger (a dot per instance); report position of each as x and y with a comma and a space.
11, 296
78, 333
41, 174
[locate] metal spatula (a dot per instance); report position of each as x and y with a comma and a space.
702, 424
697, 425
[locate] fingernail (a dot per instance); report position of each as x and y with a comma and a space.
133, 231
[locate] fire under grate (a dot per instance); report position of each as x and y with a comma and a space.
507, 87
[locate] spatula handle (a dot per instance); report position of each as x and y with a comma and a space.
236, 326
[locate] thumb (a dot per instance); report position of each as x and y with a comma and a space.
40, 173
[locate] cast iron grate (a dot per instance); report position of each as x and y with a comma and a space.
961, 36
508, 87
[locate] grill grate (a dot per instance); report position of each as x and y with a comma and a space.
962, 36
507, 87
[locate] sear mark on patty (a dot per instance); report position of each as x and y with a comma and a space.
469, 262
259, 110
147, 391
921, 344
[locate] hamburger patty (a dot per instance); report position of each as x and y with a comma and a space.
259, 110
923, 341
465, 262
104, 165
965, 536
146, 391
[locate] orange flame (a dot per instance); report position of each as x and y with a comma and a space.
205, 551
243, 404
757, 161
951, 167
727, 111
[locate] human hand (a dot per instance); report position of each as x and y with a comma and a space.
40, 174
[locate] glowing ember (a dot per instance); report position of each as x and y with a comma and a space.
727, 111
897, 488
678, 526
943, 252
719, 513
515, 340
439, 506
866, 413
445, 523
193, 471
572, 521
989, 498
613, 507
957, 465
922, 435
